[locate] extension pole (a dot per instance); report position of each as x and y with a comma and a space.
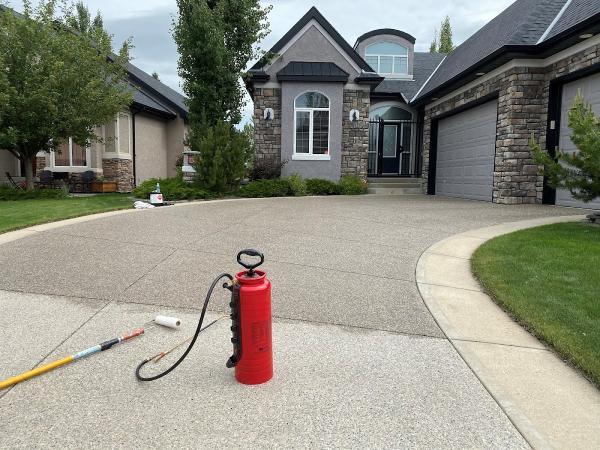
69, 359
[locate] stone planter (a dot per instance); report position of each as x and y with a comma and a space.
103, 186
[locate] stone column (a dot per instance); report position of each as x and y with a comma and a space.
521, 112
267, 133
119, 170
355, 135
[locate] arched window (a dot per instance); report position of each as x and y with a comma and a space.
390, 113
387, 58
311, 119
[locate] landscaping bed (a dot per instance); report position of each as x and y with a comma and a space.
548, 279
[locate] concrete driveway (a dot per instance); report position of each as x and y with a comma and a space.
359, 360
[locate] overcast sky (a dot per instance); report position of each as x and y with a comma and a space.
148, 22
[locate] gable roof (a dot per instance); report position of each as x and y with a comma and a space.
526, 27
312, 71
314, 14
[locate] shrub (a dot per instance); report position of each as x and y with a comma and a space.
266, 188
318, 186
267, 168
223, 154
10, 193
172, 188
297, 185
352, 185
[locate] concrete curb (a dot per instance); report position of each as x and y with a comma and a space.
550, 404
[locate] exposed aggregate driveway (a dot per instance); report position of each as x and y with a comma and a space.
360, 362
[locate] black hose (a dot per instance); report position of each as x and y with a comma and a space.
198, 330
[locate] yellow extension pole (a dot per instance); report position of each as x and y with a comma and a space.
35, 372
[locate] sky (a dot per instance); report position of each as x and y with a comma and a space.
148, 22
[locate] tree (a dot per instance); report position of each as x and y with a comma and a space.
81, 21
433, 48
57, 83
579, 172
446, 45
216, 39
224, 152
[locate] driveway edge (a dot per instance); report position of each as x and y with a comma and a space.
10, 236
550, 403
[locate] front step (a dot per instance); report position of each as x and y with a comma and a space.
395, 186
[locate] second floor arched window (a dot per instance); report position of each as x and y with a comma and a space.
387, 58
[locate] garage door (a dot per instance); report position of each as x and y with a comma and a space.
466, 145
590, 88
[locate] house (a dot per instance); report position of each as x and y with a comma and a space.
458, 124
142, 142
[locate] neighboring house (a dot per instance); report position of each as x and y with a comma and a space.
144, 141
459, 123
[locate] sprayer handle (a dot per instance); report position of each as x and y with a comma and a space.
250, 252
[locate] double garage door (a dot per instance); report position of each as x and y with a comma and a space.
466, 145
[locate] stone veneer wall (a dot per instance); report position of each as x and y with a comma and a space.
355, 135
267, 133
40, 163
119, 170
523, 94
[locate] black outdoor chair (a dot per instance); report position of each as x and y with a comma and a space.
46, 180
13, 182
83, 183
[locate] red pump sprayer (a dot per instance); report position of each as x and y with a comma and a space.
250, 323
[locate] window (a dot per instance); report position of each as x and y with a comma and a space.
311, 122
387, 58
70, 154
118, 135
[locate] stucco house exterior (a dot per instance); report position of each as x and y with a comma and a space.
142, 142
457, 125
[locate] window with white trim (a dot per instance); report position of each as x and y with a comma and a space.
387, 58
71, 154
311, 126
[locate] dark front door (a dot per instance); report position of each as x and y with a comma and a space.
390, 148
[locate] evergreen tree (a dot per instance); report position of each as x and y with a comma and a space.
433, 48
579, 172
446, 45
216, 39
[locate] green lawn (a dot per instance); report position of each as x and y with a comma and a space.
548, 278
23, 213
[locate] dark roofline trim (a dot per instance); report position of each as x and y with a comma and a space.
539, 51
369, 78
314, 14
138, 108
383, 31
182, 112
318, 78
